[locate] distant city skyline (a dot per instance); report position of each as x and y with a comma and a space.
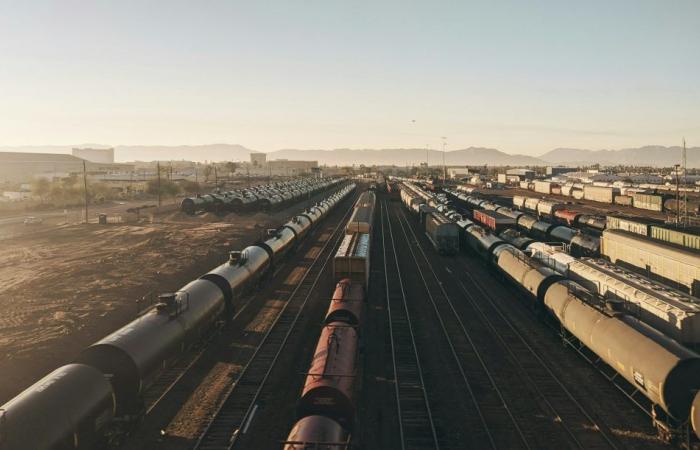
520, 77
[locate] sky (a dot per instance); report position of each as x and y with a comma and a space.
521, 76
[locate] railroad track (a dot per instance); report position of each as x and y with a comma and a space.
236, 412
170, 376
491, 422
416, 427
581, 428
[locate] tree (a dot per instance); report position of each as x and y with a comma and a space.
207, 172
41, 188
167, 187
190, 187
231, 166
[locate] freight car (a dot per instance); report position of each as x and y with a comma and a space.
352, 258
494, 220
346, 303
443, 233
326, 409
108, 378
652, 363
672, 312
674, 265
667, 373
363, 215
516, 239
329, 386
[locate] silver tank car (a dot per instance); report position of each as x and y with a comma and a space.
529, 274
241, 271
133, 355
663, 370
280, 243
204, 303
66, 409
300, 225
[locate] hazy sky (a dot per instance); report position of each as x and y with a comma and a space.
522, 76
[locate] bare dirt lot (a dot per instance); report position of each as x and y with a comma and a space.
66, 286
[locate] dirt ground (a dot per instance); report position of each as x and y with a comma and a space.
67, 286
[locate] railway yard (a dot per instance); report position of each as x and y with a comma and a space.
362, 316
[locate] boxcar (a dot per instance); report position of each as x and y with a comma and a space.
352, 259
443, 233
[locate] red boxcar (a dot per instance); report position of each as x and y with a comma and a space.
494, 220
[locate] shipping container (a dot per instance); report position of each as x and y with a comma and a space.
494, 220
624, 200
649, 202
566, 190
524, 184
502, 178
670, 264
598, 193
577, 194
688, 238
556, 190
543, 187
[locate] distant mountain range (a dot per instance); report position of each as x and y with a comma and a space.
642, 156
650, 155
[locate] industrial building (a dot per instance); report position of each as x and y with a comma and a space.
97, 155
524, 174
18, 167
260, 166
553, 171
457, 172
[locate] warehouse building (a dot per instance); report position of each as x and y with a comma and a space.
20, 167
97, 155
553, 171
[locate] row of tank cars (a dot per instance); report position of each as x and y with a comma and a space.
260, 198
76, 405
326, 408
653, 364
553, 229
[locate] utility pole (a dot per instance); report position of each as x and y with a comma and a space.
158, 186
216, 179
685, 185
86, 192
444, 167
678, 197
